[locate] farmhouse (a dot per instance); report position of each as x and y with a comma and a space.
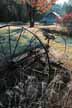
51, 18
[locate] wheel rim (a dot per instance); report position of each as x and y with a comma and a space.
20, 46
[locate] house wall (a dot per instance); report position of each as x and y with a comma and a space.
50, 19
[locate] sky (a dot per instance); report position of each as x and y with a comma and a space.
61, 1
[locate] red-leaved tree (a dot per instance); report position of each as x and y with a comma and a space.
67, 21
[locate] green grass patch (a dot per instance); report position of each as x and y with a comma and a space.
16, 42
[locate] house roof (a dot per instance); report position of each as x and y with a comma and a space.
54, 13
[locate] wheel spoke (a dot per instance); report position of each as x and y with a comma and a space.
9, 40
17, 43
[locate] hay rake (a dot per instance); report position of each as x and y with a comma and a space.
24, 59
20, 46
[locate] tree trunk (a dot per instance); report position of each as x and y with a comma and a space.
31, 14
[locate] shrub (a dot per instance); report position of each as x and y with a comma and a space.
67, 21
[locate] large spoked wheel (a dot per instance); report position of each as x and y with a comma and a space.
21, 53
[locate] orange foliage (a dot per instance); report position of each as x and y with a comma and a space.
53, 1
42, 5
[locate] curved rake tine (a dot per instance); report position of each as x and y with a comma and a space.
17, 42
65, 44
9, 39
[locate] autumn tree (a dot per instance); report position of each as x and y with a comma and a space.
67, 21
40, 5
